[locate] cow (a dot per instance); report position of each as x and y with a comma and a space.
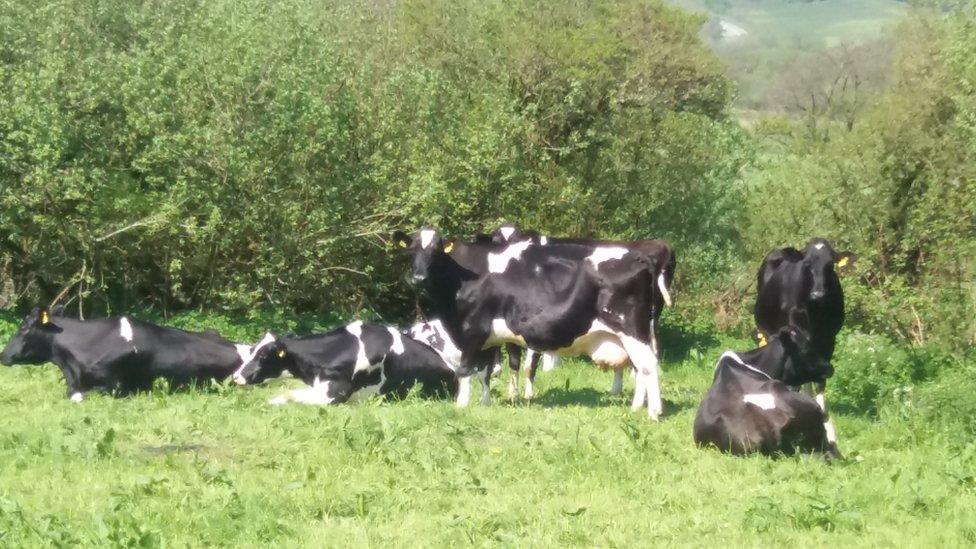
661, 259
352, 362
807, 280
552, 297
750, 407
119, 355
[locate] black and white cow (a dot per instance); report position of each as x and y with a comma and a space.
351, 362
750, 407
661, 262
119, 354
807, 280
539, 296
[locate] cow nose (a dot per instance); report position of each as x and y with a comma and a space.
239, 379
817, 294
418, 278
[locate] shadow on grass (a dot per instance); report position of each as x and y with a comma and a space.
559, 397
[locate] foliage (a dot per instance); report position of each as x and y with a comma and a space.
240, 155
900, 190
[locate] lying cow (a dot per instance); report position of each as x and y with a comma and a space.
807, 280
119, 354
351, 362
750, 407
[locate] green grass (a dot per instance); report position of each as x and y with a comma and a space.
576, 467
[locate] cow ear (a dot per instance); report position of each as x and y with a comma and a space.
402, 239
845, 260
448, 246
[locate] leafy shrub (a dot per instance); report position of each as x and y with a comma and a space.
872, 371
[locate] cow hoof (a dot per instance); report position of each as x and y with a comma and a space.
278, 400
76, 398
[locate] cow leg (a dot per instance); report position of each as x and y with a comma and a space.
464, 390
618, 382
549, 362
496, 364
530, 375
645, 362
828, 423
76, 397
514, 357
639, 392
486, 386
653, 332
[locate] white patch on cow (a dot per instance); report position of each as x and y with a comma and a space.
601, 344
549, 362
76, 397
266, 340
424, 332
317, 394
608, 253
426, 237
507, 232
243, 351
639, 392
362, 361
498, 262
821, 401
529, 389
501, 333
663, 286
819, 245
397, 346
763, 400
543, 240
618, 382
125, 329
464, 391
537, 269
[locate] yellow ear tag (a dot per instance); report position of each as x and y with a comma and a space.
842, 261
281, 353
402, 243
448, 247
45, 318
762, 340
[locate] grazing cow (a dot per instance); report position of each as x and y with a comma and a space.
661, 261
351, 362
543, 297
119, 354
788, 279
750, 406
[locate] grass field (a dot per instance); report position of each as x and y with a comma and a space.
220, 467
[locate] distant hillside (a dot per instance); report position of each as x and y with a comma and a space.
760, 40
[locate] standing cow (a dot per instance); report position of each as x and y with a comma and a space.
119, 354
540, 296
750, 407
661, 261
350, 362
807, 280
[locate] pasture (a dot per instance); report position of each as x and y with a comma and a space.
218, 466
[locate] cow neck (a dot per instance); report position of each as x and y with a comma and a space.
770, 360
301, 368
738, 360
61, 355
446, 279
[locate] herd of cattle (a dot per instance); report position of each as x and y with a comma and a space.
512, 288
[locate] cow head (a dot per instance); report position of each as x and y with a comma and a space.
803, 363
819, 260
426, 247
32, 343
266, 360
